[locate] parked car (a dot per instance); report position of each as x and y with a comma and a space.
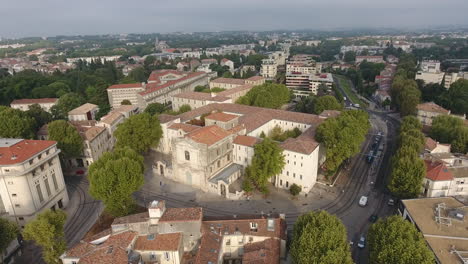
373, 218
391, 202
363, 201
362, 242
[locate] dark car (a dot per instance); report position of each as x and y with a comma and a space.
373, 218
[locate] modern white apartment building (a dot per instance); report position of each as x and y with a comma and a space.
24, 104
269, 69
31, 179
318, 79
160, 87
430, 72
229, 83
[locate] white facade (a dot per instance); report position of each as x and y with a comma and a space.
269, 69
24, 104
33, 184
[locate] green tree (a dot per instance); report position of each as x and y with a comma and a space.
138, 74
47, 231
139, 132
68, 139
155, 108
397, 241
319, 237
267, 95
8, 232
342, 136
408, 171
295, 189
451, 130
326, 102
409, 123
115, 177
16, 124
409, 98
33, 58
65, 104
40, 116
184, 108
456, 98
126, 102
267, 161
349, 56
413, 138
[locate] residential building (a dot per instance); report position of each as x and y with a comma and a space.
442, 222
373, 59
209, 61
446, 175
229, 83
450, 78
183, 66
160, 87
432, 146
318, 79
31, 179
84, 112
426, 112
430, 72
185, 235
246, 68
24, 104
269, 69
229, 63
207, 154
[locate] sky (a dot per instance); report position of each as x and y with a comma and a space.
23, 18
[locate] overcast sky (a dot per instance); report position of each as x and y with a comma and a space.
19, 18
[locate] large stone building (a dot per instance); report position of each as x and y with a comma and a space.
211, 145
84, 112
184, 235
160, 87
426, 112
229, 83
31, 179
24, 104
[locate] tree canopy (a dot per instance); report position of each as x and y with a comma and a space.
342, 136
139, 132
114, 177
40, 116
155, 108
326, 102
267, 161
47, 231
68, 139
268, 95
65, 104
450, 130
16, 124
319, 237
397, 241
8, 232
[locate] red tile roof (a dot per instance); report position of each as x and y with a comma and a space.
220, 116
182, 214
229, 80
126, 85
150, 88
246, 141
34, 101
430, 144
437, 171
432, 107
21, 151
185, 127
158, 242
255, 78
208, 135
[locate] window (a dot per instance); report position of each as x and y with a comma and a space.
152, 256
228, 242
166, 255
219, 164
21, 218
228, 157
301, 164
281, 182
187, 155
294, 175
253, 226
17, 206
46, 182
39, 193
250, 239
287, 184
13, 194
300, 176
30, 162
287, 173
271, 225
54, 179
10, 183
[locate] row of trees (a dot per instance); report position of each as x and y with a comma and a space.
319, 237
455, 98
268, 95
342, 137
405, 93
408, 169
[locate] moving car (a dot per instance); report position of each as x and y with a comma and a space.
363, 201
362, 242
391, 202
373, 218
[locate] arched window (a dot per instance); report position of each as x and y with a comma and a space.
187, 155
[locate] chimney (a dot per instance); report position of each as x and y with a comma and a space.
156, 210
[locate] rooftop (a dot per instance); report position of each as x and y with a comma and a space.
126, 86
437, 171
247, 141
220, 116
208, 135
182, 214
159, 242
111, 117
14, 151
229, 81
34, 101
432, 107
83, 109
187, 128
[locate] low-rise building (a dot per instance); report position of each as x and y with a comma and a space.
442, 222
430, 72
185, 235
229, 83
31, 179
84, 112
432, 146
229, 63
24, 104
373, 59
426, 112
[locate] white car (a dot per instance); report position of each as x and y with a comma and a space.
362, 242
363, 201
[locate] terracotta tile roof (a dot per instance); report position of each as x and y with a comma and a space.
437, 171
264, 252
185, 127
159, 242
125, 86
156, 75
432, 107
182, 214
220, 116
229, 81
164, 118
150, 88
125, 108
83, 109
201, 96
255, 78
430, 144
134, 218
229, 92
111, 117
246, 141
91, 133
208, 135
34, 101
305, 143
21, 150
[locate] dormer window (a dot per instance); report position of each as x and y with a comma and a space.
253, 226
